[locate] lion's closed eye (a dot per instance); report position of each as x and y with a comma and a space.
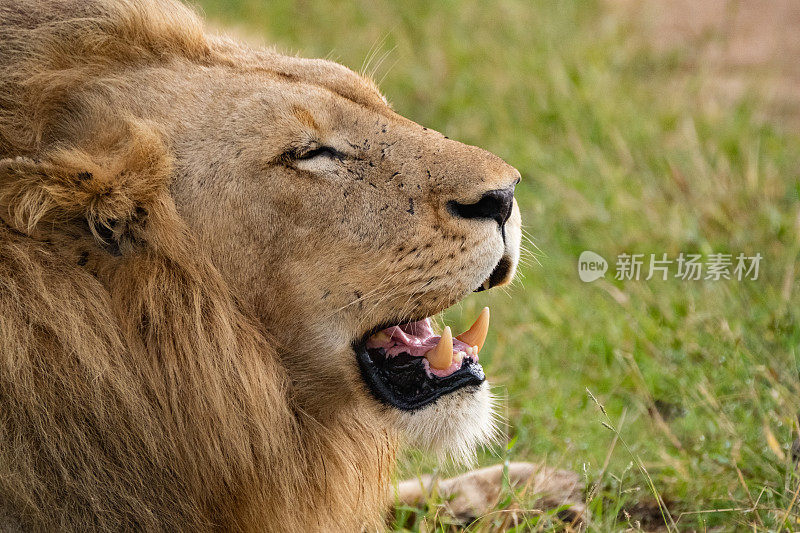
320, 151
317, 158
314, 158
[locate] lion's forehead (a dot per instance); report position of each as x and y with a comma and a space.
315, 74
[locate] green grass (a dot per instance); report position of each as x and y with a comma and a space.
619, 153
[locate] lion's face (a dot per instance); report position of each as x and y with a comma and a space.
334, 218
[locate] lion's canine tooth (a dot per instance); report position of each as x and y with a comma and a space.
440, 357
476, 335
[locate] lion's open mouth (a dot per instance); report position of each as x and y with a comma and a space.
407, 366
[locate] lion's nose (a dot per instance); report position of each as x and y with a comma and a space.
493, 205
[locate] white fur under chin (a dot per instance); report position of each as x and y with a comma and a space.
454, 426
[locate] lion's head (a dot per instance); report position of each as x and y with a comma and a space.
338, 220
340, 224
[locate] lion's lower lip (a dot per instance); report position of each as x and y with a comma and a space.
403, 381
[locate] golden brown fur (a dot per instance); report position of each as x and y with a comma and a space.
151, 375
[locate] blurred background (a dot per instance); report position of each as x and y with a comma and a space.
638, 127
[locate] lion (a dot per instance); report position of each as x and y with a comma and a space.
218, 268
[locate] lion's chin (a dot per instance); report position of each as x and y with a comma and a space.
454, 426
433, 386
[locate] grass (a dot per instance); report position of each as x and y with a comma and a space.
620, 153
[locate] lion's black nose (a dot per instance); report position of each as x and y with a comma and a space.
494, 205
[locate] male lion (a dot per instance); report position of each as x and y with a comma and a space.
217, 265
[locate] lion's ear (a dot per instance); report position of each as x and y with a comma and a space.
109, 187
